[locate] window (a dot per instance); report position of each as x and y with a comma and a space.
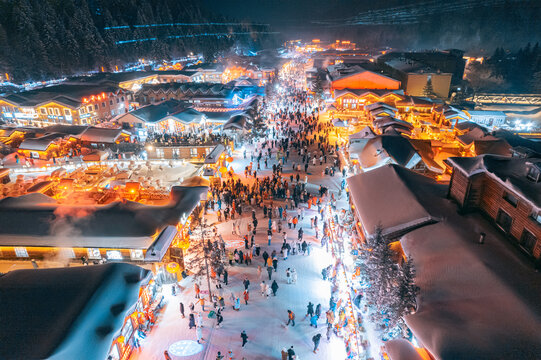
114, 255
57, 111
117, 101
67, 253
504, 220
122, 99
534, 172
82, 110
193, 152
102, 104
50, 110
21, 252
43, 111
89, 108
94, 253
528, 240
536, 216
111, 102
67, 112
159, 153
137, 254
510, 198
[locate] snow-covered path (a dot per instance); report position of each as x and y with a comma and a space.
263, 318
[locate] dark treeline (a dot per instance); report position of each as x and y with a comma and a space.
510, 71
40, 39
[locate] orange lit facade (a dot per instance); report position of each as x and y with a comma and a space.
365, 80
343, 45
64, 109
235, 72
355, 100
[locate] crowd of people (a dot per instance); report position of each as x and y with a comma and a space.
280, 203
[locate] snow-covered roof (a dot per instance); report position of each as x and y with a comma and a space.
401, 349
36, 220
396, 198
377, 105
364, 133
476, 301
511, 172
381, 147
65, 313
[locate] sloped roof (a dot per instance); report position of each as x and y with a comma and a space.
415, 101
469, 305
236, 122
492, 146
382, 146
364, 133
156, 112
516, 140
66, 129
31, 220
510, 172
102, 135
68, 94
40, 143
63, 313
386, 121
378, 105
472, 135
395, 198
189, 116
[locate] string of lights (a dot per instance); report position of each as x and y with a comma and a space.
180, 24
219, 35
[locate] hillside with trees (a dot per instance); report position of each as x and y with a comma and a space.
50, 38
508, 71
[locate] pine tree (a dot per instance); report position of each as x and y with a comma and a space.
428, 90
317, 87
203, 254
535, 83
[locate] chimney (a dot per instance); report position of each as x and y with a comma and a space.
482, 237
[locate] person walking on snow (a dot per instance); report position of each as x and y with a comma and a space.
316, 339
246, 297
290, 318
199, 334
269, 271
310, 309
244, 337
263, 288
182, 310
274, 287
313, 321
246, 283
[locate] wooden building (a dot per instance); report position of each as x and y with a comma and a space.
506, 190
74, 104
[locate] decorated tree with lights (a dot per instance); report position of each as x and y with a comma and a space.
391, 288
428, 90
203, 254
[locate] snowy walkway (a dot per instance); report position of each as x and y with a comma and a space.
263, 318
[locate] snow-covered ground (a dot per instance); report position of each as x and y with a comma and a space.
263, 318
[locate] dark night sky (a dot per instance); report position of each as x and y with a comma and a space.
429, 23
